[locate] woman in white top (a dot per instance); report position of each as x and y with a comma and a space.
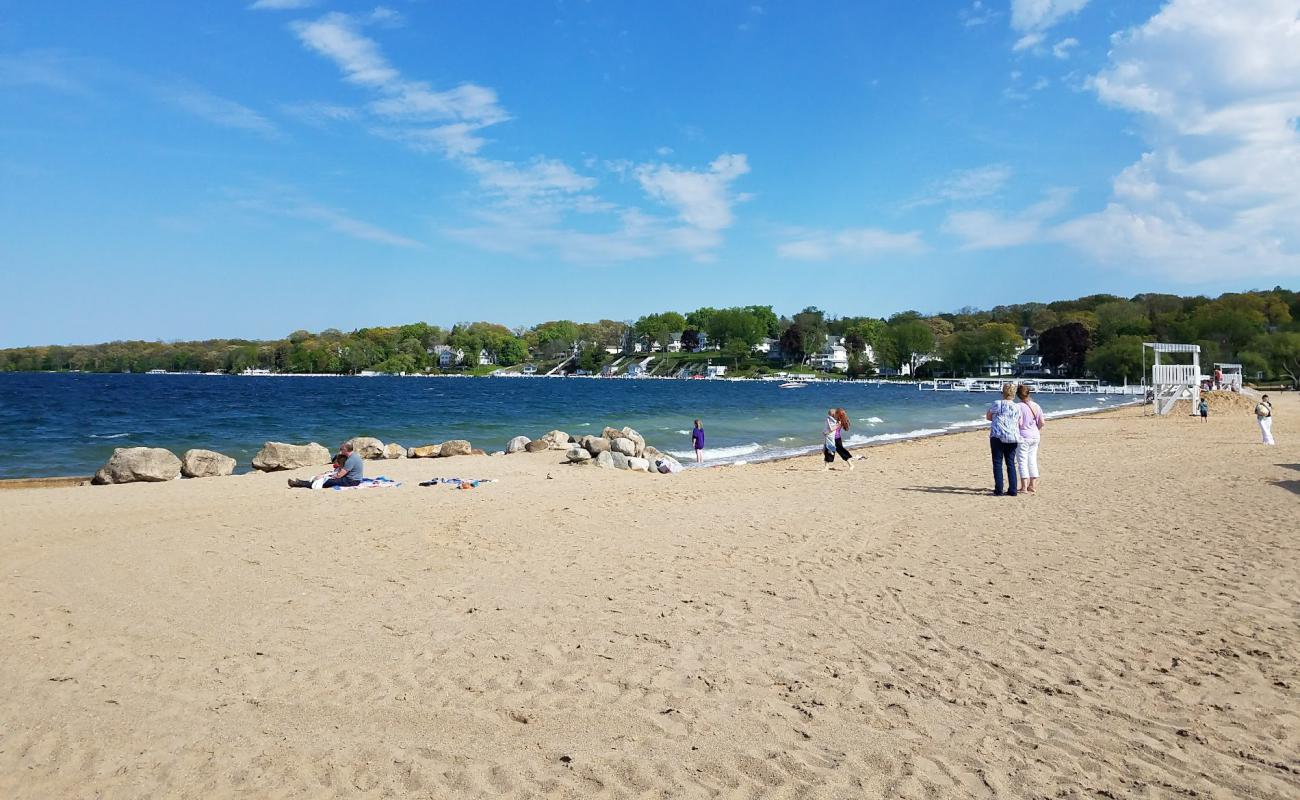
1031, 422
1264, 414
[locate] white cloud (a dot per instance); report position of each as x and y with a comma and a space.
1039, 15
286, 201
319, 113
983, 230
217, 110
1027, 41
281, 5
1062, 48
850, 243
702, 198
1217, 194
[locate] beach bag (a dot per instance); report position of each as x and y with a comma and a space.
1263, 410
1006, 422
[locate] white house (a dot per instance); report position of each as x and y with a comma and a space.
485, 358
447, 355
674, 343
833, 355
716, 370
765, 347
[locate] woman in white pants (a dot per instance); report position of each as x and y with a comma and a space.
1031, 422
1264, 414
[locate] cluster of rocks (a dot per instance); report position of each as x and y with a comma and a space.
614, 448
136, 464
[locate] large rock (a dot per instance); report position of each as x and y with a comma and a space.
206, 464
620, 460
455, 447
651, 454
638, 465
626, 433
394, 450
368, 447
604, 460
595, 444
558, 440
537, 446
478, 452
517, 444
131, 464
578, 455
623, 445
424, 451
278, 455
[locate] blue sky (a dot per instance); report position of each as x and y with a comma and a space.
189, 170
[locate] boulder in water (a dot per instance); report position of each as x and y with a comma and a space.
277, 456
206, 464
132, 464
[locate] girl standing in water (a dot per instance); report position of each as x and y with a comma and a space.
837, 421
697, 439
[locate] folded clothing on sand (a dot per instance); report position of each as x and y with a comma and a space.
458, 483
369, 483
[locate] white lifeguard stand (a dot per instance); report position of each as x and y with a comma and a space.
1173, 382
1231, 376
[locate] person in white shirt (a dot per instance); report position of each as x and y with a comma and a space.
1264, 415
1031, 423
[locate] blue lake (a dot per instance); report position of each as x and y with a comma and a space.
68, 424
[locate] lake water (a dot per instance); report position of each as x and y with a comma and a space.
68, 424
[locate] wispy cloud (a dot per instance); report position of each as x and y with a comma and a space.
43, 69
1063, 48
281, 5
1031, 19
850, 244
966, 184
286, 201
977, 13
984, 230
215, 109
535, 205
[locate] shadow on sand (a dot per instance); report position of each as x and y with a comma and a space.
947, 490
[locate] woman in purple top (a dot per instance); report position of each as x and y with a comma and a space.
697, 438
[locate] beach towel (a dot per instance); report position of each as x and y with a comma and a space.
458, 483
369, 483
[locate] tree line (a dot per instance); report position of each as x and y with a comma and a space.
1098, 335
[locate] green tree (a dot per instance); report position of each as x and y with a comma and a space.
1118, 360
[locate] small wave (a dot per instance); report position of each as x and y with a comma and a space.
859, 440
872, 420
788, 439
108, 435
720, 453
974, 423
685, 433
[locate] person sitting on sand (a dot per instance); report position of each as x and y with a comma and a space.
1004, 439
1204, 408
837, 421
1264, 415
349, 474
1031, 423
697, 439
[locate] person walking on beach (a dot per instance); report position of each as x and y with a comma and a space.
697, 439
1264, 415
1004, 439
1031, 423
1204, 408
349, 474
837, 421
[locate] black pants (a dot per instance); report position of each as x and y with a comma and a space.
829, 454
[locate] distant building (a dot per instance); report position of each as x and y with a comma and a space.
716, 370
448, 356
529, 369
485, 359
765, 347
833, 355
635, 371
674, 343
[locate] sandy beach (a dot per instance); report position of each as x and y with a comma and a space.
768, 630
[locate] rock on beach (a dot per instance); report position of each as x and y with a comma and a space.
424, 451
206, 464
394, 450
132, 464
455, 447
368, 447
276, 456
517, 444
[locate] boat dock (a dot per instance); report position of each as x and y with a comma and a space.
1039, 385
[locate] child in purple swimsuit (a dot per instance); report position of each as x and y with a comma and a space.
697, 437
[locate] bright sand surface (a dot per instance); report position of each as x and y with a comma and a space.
766, 630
